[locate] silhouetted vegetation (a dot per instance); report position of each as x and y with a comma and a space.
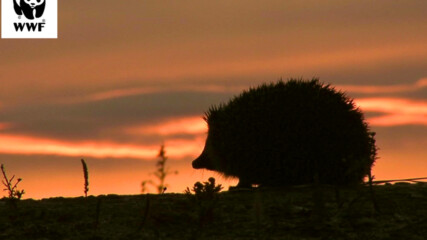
205, 199
289, 133
12, 188
206, 190
161, 173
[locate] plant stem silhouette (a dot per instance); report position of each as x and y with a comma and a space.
14, 193
86, 177
161, 173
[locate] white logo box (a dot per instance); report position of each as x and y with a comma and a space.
19, 26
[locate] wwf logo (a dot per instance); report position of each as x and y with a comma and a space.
30, 8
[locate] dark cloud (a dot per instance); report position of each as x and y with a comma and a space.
96, 120
397, 138
419, 94
388, 74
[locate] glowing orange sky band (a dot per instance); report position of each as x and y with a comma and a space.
397, 111
10, 144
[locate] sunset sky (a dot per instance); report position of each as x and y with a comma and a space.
126, 76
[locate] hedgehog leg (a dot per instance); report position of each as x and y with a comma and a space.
243, 184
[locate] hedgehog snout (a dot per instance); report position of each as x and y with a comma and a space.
202, 161
196, 164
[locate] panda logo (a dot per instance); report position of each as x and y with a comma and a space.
31, 8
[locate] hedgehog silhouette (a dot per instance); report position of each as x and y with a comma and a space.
289, 133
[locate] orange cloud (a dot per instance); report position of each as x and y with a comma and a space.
397, 111
185, 125
398, 119
422, 83
4, 125
179, 148
11, 144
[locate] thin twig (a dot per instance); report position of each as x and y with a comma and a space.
8, 182
399, 180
